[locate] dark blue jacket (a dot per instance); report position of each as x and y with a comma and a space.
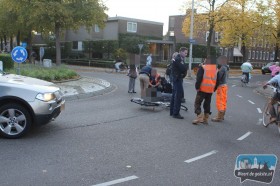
179, 69
146, 70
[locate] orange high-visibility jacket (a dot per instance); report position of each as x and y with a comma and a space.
209, 78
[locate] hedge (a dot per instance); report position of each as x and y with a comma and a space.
8, 62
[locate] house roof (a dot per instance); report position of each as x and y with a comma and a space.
134, 20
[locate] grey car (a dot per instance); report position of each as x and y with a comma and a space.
26, 102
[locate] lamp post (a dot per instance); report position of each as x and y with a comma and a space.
140, 51
191, 42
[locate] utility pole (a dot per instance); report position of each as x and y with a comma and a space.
191, 43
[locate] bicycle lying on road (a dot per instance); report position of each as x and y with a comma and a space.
266, 112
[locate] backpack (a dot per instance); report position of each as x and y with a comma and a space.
168, 70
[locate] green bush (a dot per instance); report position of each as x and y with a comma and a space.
8, 62
47, 74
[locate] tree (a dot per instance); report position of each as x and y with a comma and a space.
207, 19
56, 16
241, 24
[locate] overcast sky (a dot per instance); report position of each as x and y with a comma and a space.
153, 10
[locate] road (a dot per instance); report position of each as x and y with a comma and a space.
108, 138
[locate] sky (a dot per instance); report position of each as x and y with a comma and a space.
152, 10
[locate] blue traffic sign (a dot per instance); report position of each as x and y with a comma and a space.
19, 54
192, 40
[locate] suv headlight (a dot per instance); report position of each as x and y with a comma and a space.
45, 97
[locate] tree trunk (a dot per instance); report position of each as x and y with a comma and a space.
18, 38
29, 45
211, 28
243, 48
11, 43
209, 40
1, 44
57, 44
5, 42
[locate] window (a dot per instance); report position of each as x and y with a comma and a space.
216, 37
206, 36
260, 56
131, 27
263, 56
253, 55
257, 54
221, 51
75, 45
96, 28
267, 55
249, 55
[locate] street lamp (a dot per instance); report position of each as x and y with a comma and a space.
191, 42
140, 50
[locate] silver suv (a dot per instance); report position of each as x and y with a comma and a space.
25, 102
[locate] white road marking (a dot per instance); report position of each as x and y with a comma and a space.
251, 102
260, 121
202, 156
244, 136
259, 110
117, 181
239, 96
233, 86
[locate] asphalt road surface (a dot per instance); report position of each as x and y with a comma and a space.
109, 140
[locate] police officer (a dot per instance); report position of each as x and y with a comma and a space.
178, 73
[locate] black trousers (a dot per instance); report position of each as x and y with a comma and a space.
247, 74
206, 99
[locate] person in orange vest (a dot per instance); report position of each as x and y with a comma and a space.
222, 89
155, 79
205, 85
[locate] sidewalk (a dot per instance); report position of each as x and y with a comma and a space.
85, 87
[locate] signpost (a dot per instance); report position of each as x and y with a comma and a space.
42, 53
19, 55
140, 51
191, 42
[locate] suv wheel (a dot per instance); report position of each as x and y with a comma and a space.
15, 120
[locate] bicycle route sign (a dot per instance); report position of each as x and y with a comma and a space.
19, 54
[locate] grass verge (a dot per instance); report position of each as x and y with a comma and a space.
53, 74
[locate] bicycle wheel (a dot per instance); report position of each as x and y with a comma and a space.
266, 115
110, 68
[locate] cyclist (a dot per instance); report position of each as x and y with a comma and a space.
246, 70
275, 81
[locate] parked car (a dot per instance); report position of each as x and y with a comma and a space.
26, 102
265, 69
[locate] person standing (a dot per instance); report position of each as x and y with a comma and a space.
178, 73
205, 85
132, 74
222, 89
144, 77
149, 60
